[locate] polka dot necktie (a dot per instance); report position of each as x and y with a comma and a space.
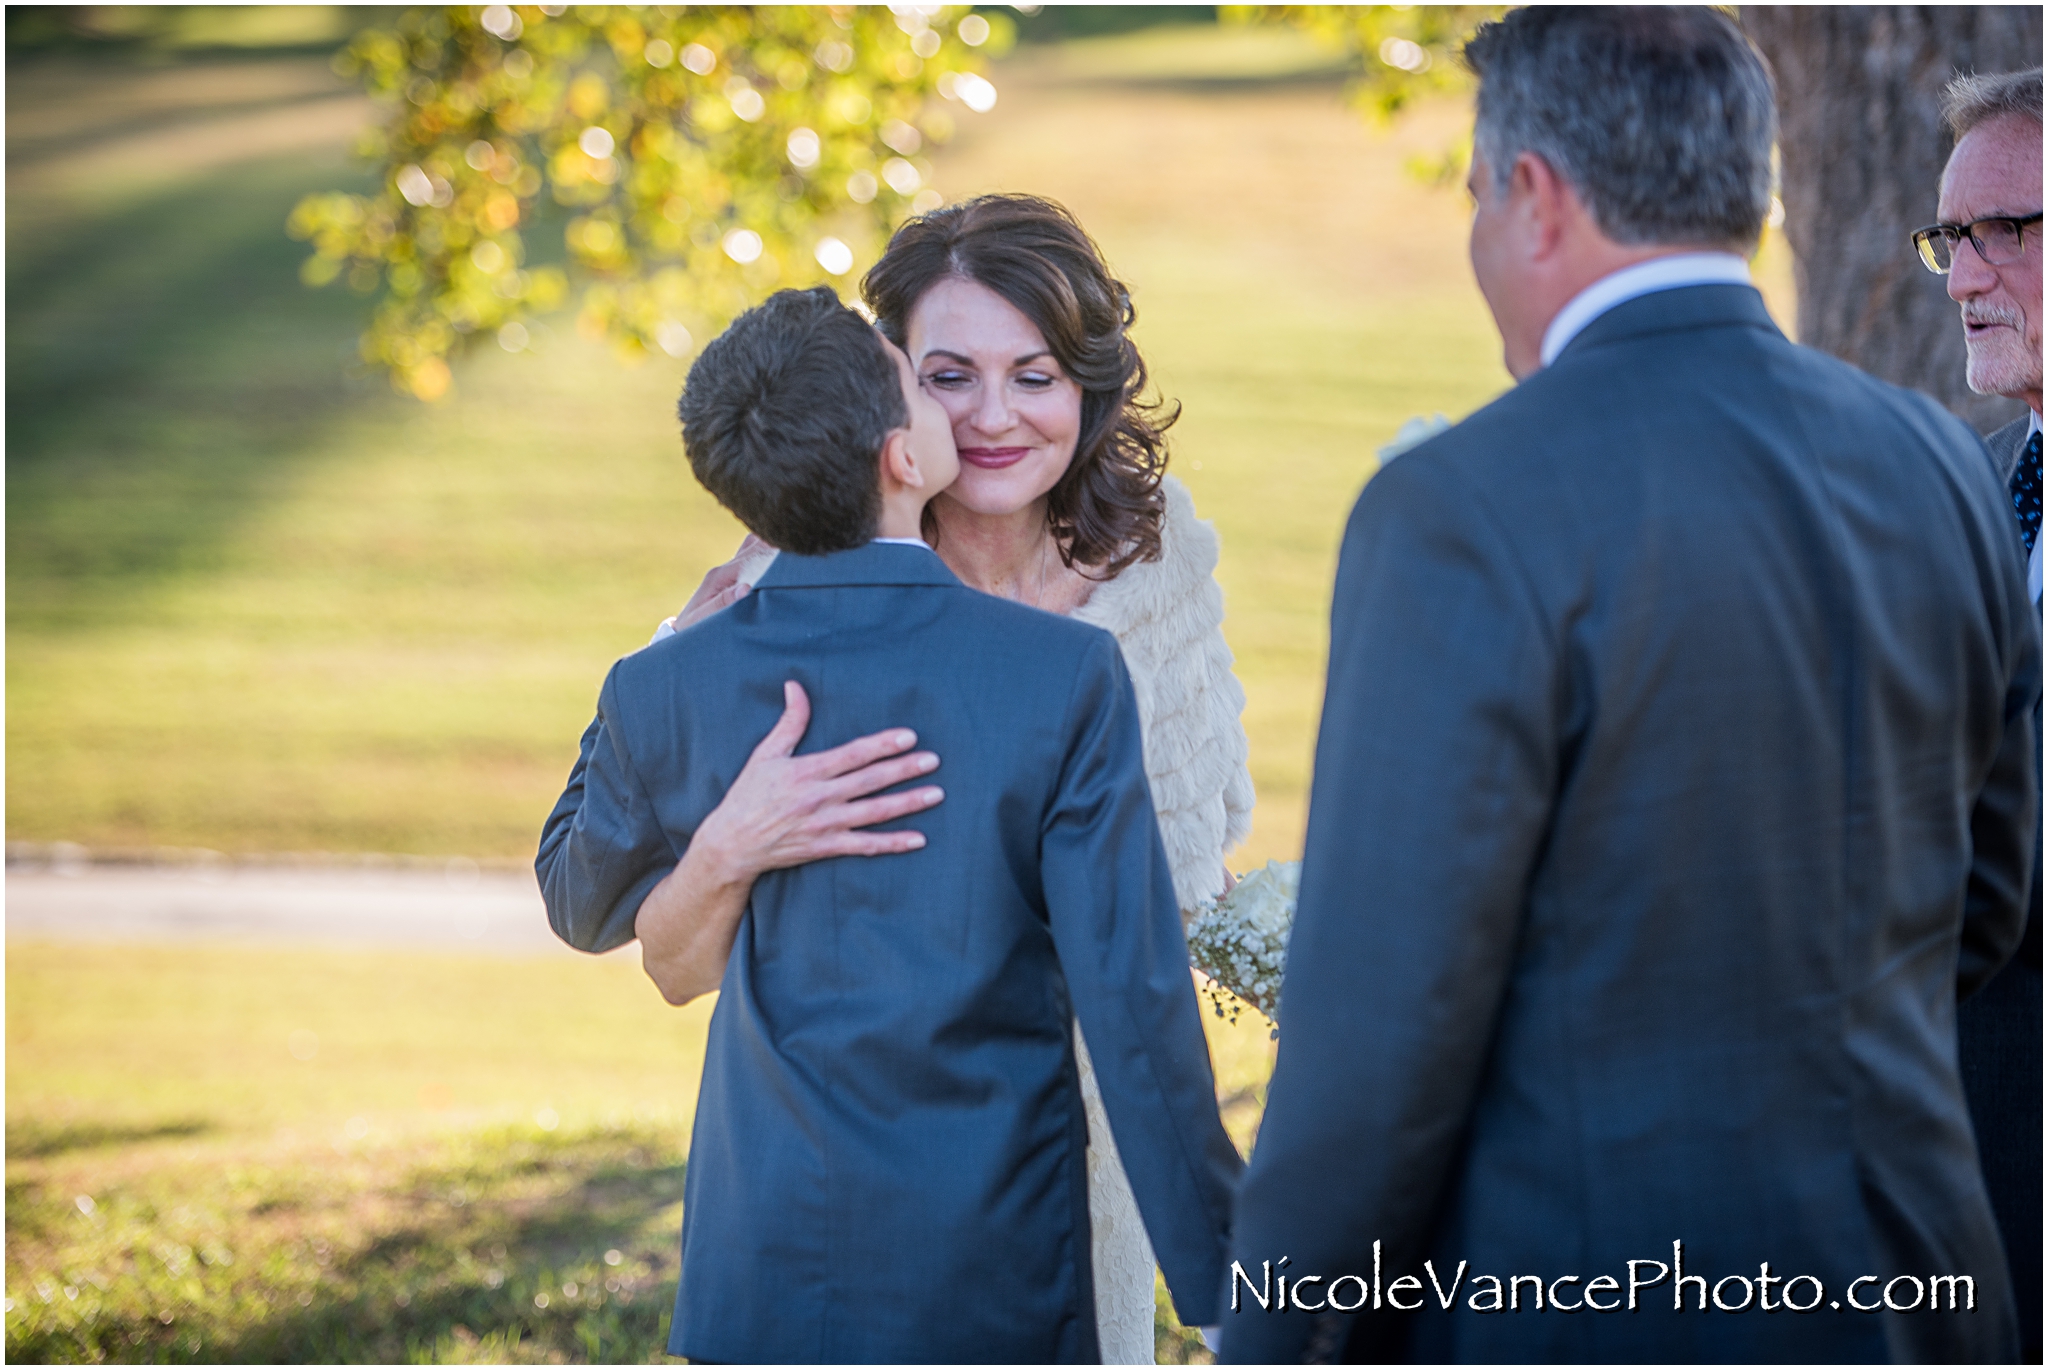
2026, 491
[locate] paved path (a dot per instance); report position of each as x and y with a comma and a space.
456, 906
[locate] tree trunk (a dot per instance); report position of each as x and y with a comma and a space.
1861, 148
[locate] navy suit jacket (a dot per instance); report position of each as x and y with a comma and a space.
1677, 762
1999, 1031
888, 1162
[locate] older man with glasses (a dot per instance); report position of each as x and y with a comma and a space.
1991, 199
1988, 244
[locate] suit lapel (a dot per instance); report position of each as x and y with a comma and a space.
2005, 445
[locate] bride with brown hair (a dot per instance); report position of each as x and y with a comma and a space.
1015, 325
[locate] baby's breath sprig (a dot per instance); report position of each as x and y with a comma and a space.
1240, 941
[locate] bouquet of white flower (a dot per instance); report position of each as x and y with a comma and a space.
1240, 941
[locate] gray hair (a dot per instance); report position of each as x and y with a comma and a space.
1973, 100
1661, 119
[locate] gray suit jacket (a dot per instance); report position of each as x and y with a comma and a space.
1676, 761
888, 1161
2004, 445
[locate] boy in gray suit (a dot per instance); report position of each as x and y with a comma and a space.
888, 1162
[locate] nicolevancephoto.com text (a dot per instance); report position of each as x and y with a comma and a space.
1277, 1291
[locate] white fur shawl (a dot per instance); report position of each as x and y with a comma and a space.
1167, 615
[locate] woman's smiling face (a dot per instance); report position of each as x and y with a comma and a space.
1016, 413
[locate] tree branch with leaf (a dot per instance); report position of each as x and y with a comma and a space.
698, 158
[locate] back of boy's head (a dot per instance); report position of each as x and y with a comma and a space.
784, 416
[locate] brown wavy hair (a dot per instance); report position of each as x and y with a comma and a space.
1106, 510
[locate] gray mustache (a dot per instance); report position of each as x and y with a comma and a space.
2011, 317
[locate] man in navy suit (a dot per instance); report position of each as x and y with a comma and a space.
1676, 770
889, 1151
1988, 247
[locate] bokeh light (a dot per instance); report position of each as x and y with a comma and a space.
835, 256
672, 338
415, 186
1404, 54
903, 178
901, 137
743, 245
978, 93
746, 101
502, 21
804, 148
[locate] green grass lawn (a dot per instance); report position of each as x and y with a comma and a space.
258, 602
260, 1154
236, 1154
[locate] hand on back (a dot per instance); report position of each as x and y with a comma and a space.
785, 810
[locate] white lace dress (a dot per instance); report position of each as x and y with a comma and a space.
1168, 618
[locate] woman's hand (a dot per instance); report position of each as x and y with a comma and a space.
785, 810
722, 587
782, 810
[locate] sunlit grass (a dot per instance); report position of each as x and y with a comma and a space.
508, 1244
401, 1043
262, 1154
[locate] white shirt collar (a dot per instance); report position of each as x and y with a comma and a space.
1659, 273
904, 542
2033, 423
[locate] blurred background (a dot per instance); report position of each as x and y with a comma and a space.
297, 662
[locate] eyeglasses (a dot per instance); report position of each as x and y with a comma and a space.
1998, 241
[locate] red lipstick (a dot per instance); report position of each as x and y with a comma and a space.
993, 458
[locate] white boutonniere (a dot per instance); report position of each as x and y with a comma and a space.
1240, 941
1414, 433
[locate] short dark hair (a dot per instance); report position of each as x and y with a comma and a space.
1106, 510
1972, 100
1661, 119
784, 416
